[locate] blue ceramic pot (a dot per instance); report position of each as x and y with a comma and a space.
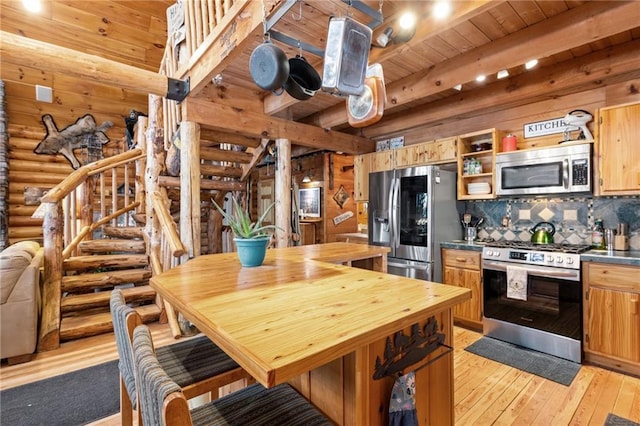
251, 252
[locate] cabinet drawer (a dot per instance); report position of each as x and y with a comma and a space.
619, 277
462, 259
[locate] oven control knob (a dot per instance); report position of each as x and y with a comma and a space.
549, 258
559, 259
489, 253
569, 260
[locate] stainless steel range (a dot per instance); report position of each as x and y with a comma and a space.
533, 296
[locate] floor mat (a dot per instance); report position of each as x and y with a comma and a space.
550, 367
74, 398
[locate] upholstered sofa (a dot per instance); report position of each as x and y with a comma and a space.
19, 300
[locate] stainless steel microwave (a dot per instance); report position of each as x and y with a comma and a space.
561, 169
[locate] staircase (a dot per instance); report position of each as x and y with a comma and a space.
120, 260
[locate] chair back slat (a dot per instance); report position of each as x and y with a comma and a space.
125, 319
155, 387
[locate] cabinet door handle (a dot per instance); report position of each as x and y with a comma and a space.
461, 259
635, 306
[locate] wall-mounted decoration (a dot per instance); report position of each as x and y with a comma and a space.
406, 351
341, 196
81, 134
310, 202
342, 217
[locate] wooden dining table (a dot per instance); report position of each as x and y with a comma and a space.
308, 318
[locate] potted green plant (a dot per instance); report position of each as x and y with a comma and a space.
251, 238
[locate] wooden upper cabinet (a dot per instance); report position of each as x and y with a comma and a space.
618, 151
361, 169
432, 152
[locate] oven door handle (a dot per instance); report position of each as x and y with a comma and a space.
546, 272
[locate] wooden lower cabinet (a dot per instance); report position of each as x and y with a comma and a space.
463, 268
612, 316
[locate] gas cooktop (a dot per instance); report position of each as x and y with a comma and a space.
526, 245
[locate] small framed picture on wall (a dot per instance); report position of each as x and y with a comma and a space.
310, 202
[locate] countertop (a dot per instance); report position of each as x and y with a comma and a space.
630, 258
462, 245
297, 312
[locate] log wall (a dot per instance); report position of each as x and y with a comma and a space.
134, 34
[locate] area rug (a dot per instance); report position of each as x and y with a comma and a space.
550, 367
613, 420
75, 398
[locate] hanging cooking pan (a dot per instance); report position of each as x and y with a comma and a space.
269, 66
304, 81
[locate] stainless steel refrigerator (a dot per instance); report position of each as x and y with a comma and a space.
411, 211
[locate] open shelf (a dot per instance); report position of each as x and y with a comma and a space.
487, 157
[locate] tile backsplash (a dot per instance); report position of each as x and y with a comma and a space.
573, 217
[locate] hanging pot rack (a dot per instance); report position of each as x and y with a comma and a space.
376, 16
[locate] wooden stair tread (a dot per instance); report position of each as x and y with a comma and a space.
120, 261
89, 325
81, 282
78, 302
123, 231
112, 245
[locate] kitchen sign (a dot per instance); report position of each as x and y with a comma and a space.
547, 127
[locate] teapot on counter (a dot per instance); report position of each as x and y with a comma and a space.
542, 233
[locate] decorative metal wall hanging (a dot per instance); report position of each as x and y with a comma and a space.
406, 351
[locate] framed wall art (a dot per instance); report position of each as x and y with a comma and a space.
310, 202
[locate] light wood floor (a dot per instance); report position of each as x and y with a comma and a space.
486, 392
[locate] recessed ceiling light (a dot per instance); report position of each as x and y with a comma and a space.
503, 74
532, 63
458, 87
481, 78
407, 21
33, 6
442, 10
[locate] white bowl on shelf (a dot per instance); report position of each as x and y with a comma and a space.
477, 188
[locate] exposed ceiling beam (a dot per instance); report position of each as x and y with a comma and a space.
218, 137
252, 124
428, 27
590, 22
49, 57
589, 71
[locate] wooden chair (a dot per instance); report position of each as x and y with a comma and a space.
197, 365
163, 402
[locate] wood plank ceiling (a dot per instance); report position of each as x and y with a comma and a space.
478, 37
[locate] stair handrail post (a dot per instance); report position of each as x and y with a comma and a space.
155, 164
86, 199
52, 226
141, 165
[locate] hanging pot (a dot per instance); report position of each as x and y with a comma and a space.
304, 81
269, 66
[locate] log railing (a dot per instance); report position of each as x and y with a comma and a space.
67, 211
201, 18
166, 251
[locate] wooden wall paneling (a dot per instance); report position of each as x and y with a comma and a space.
513, 119
341, 178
